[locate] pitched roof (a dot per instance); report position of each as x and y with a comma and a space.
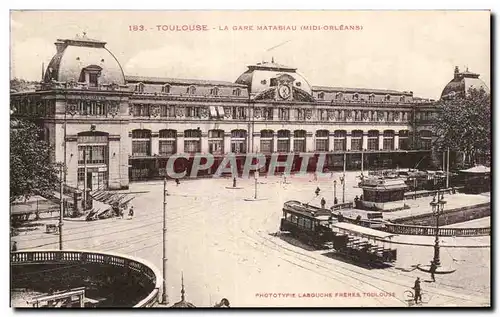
180, 81
360, 90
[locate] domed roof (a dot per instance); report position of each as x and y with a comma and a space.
183, 303
461, 83
259, 77
77, 54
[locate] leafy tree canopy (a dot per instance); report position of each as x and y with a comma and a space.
31, 171
464, 124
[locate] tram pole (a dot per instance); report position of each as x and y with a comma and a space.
61, 205
334, 191
164, 294
362, 161
256, 177
448, 168
343, 188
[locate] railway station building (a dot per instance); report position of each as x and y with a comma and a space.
129, 126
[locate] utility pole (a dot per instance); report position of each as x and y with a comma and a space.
362, 161
61, 205
343, 188
256, 176
448, 168
164, 295
334, 191
84, 178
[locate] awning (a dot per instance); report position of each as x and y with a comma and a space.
363, 231
220, 109
479, 169
213, 112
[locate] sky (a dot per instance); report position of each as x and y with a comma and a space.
402, 50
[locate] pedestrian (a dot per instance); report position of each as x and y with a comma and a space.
131, 212
317, 191
432, 270
335, 201
323, 203
177, 181
14, 247
340, 217
416, 288
234, 181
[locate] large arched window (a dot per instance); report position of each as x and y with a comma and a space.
266, 141
339, 140
373, 140
239, 141
192, 141
141, 142
356, 140
216, 141
299, 140
167, 142
322, 140
389, 140
283, 141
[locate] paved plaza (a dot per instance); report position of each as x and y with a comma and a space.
225, 247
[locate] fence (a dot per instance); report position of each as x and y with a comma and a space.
149, 274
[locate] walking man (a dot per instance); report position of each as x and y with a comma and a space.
323, 202
416, 288
433, 270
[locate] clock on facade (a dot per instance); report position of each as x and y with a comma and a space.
284, 91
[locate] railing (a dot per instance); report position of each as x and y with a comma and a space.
480, 207
431, 231
148, 271
348, 205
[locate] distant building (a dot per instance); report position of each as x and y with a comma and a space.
129, 126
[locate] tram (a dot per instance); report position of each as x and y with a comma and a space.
309, 224
319, 228
362, 244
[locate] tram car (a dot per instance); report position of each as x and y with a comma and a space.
309, 224
319, 228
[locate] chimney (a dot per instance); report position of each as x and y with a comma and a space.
457, 71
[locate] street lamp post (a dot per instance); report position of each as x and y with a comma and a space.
61, 204
342, 180
437, 209
164, 295
334, 191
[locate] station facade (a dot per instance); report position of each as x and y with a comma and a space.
128, 126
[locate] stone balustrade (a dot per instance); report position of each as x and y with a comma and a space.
149, 276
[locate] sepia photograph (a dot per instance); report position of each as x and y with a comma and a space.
250, 159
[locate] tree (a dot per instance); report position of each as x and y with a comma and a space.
464, 125
31, 170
